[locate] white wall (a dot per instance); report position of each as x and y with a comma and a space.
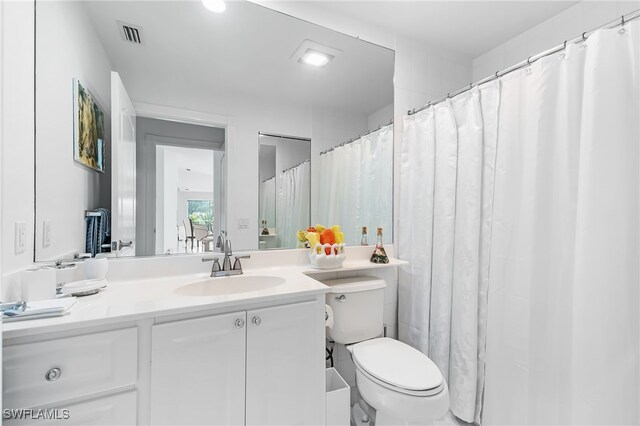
289, 152
170, 207
381, 117
16, 133
582, 17
68, 48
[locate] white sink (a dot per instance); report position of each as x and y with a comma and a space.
229, 285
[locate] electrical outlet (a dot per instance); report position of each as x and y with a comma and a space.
243, 223
20, 238
46, 233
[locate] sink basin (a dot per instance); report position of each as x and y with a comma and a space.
228, 285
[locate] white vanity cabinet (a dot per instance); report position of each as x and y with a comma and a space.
256, 367
259, 363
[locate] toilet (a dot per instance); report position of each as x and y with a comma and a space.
400, 383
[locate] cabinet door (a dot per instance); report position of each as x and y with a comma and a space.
285, 365
198, 371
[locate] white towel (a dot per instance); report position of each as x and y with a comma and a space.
41, 309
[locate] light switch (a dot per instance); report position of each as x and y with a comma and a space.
20, 237
243, 223
46, 233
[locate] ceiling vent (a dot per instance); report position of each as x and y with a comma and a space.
130, 33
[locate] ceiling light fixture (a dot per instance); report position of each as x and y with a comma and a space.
315, 58
311, 53
216, 6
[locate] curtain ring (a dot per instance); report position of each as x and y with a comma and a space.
565, 45
497, 76
622, 21
529, 60
584, 37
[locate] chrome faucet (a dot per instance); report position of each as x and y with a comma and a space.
227, 269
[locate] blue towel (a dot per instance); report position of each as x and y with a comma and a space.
98, 231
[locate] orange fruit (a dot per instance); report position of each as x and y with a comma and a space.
327, 237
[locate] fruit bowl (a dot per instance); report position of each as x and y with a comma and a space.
321, 260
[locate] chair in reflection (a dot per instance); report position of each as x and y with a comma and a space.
188, 232
200, 233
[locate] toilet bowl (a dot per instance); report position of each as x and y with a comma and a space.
403, 385
400, 383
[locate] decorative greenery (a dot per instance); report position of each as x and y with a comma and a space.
200, 211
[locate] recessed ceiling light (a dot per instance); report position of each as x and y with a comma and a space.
217, 6
311, 53
315, 58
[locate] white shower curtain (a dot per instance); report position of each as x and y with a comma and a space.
292, 204
268, 202
563, 326
446, 185
356, 186
541, 266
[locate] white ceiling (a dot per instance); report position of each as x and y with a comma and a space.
464, 28
199, 177
189, 53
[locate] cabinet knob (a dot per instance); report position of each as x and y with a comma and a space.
239, 323
53, 374
256, 320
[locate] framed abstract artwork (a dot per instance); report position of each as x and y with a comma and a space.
88, 126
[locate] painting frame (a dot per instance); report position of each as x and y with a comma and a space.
88, 129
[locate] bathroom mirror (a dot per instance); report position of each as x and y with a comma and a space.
180, 162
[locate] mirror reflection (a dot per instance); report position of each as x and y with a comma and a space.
148, 124
285, 190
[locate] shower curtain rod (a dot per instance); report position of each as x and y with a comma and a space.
356, 138
619, 22
293, 167
273, 135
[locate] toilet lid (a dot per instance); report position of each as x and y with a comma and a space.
397, 364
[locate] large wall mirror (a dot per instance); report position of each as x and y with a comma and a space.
159, 125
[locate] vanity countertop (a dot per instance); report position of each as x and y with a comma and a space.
146, 288
143, 298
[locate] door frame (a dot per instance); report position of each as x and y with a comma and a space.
148, 187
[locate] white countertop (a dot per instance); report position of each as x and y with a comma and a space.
136, 299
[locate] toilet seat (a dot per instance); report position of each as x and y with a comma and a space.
397, 366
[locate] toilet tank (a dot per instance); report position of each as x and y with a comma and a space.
358, 308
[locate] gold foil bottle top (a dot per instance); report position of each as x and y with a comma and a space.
379, 231
364, 229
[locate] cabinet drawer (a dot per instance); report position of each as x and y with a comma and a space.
113, 410
40, 373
